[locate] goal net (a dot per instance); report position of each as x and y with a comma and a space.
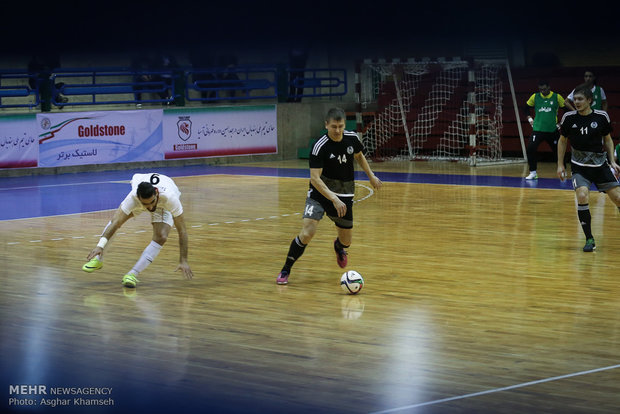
436, 110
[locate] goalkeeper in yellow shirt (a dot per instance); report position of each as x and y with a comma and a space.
546, 104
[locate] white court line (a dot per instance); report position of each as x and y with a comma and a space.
370, 193
511, 387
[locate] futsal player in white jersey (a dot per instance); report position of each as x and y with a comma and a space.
159, 195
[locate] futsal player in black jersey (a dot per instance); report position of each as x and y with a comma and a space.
592, 158
332, 187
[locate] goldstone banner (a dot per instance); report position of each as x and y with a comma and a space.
220, 131
101, 137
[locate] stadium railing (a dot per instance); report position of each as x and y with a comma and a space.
124, 85
231, 83
319, 82
15, 89
98, 86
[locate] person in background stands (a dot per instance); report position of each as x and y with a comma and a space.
166, 64
599, 99
140, 66
40, 68
298, 57
546, 104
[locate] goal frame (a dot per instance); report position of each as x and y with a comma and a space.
391, 71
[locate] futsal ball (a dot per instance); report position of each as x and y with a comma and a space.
351, 282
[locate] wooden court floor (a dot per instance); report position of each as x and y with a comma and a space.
478, 299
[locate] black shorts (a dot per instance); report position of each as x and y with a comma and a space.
550, 137
602, 177
318, 205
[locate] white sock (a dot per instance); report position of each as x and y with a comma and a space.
148, 255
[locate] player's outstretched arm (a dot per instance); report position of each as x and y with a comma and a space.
363, 163
120, 217
179, 223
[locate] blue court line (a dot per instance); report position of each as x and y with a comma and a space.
71, 193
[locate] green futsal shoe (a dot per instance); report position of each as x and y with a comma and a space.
130, 280
94, 264
590, 246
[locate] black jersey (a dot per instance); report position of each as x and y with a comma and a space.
336, 159
585, 133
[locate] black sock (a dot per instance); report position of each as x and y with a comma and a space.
294, 252
583, 211
338, 245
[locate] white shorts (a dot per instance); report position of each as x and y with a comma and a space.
162, 216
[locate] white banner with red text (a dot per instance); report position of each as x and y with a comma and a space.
19, 146
102, 137
220, 131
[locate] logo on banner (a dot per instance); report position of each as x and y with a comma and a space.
46, 123
184, 127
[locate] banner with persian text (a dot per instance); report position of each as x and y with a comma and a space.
220, 131
19, 145
101, 137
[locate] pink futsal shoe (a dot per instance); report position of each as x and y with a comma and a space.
341, 256
282, 278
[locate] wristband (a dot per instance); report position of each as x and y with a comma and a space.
102, 242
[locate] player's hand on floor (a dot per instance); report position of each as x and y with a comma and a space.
187, 271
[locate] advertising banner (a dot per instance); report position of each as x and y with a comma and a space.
102, 137
221, 131
19, 145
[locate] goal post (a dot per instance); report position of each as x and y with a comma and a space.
435, 110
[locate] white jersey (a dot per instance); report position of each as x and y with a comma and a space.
169, 195
603, 96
